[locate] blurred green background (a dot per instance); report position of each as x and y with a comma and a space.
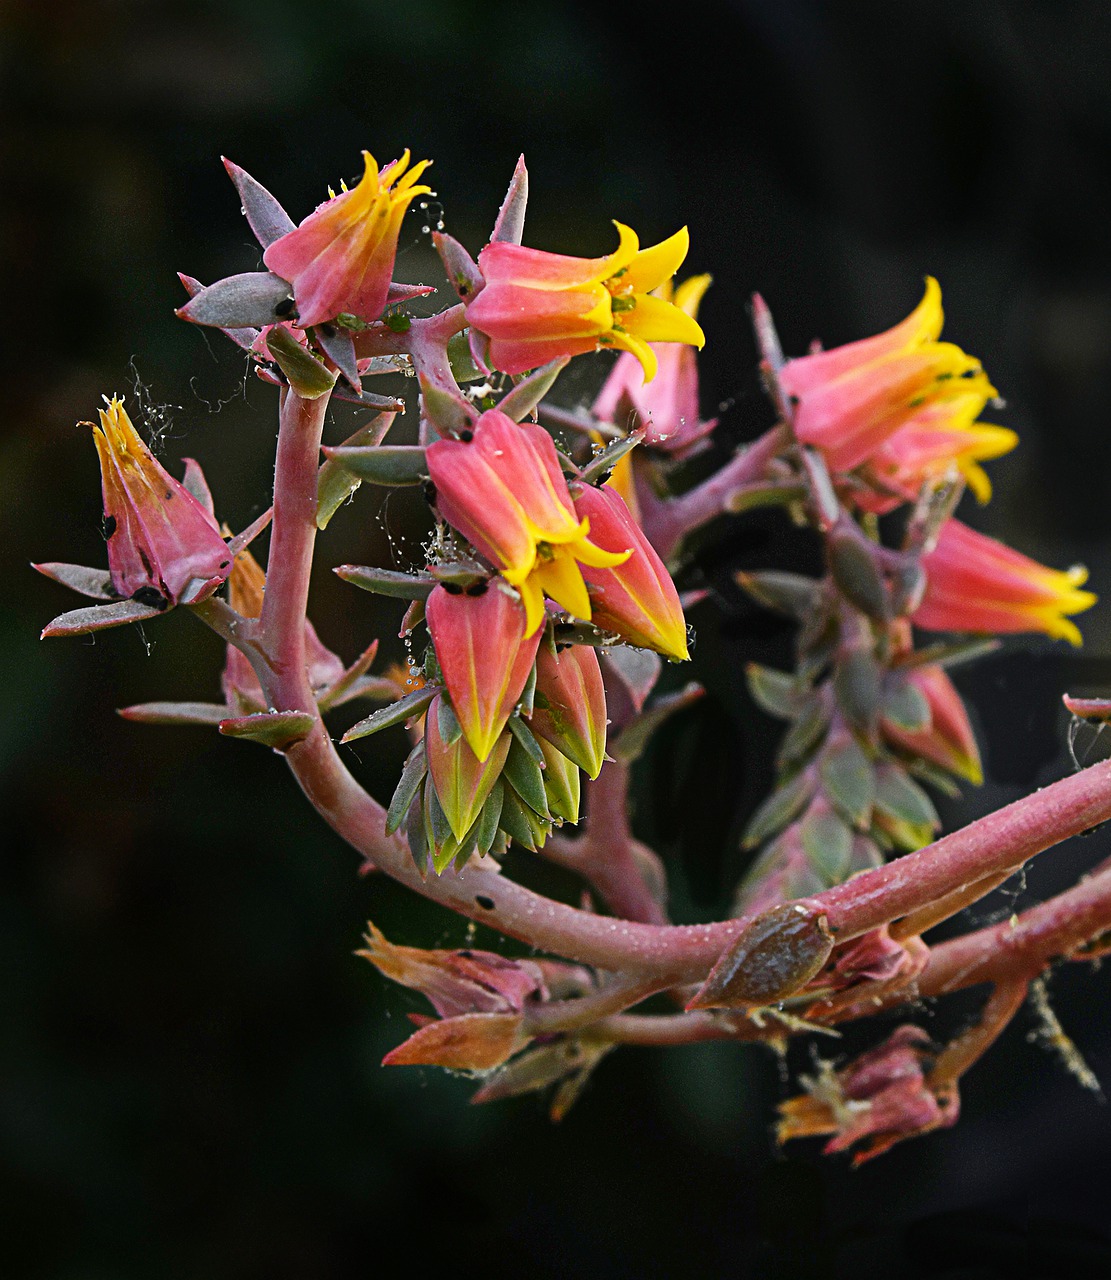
189, 1049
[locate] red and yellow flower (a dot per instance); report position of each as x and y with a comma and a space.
537, 306
975, 583
340, 259
164, 548
504, 491
667, 407
849, 401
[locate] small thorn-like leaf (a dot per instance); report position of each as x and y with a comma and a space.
335, 484
775, 692
510, 224
195, 482
528, 393
306, 374
80, 622
265, 216
849, 779
387, 582
393, 465
397, 713
253, 299
604, 462
277, 729
206, 713
243, 540
95, 583
338, 345
459, 267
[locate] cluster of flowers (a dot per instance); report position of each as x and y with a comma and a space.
540, 562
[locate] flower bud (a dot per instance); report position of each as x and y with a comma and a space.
462, 781
570, 705
484, 655
637, 598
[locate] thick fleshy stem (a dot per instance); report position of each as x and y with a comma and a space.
668, 521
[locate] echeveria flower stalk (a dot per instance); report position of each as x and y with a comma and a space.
974, 583
538, 306
666, 407
340, 259
485, 657
848, 401
164, 548
637, 598
504, 491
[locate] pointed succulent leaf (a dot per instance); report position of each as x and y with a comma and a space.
949, 654
775, 692
462, 781
513, 821
80, 622
902, 799
535, 1069
461, 359
196, 484
385, 717
527, 394
855, 570
782, 807
827, 841
415, 834
338, 345
459, 267
96, 583
335, 483
849, 778
244, 338
935, 776
527, 739
526, 777
448, 412
856, 684
806, 733
412, 775
207, 713
632, 740
385, 464
253, 299
367, 399
604, 461
305, 373
637, 669
341, 690
510, 224
771, 957
265, 216
277, 729
487, 826
243, 540
905, 706
787, 593
387, 582
562, 783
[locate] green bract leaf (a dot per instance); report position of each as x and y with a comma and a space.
828, 842
779, 809
397, 713
849, 779
387, 582
775, 692
394, 465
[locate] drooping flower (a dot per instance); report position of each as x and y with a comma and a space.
974, 583
538, 306
850, 400
880, 1098
504, 491
164, 548
635, 598
667, 407
948, 740
340, 259
485, 654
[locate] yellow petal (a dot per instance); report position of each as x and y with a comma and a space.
654, 320
977, 480
651, 267
561, 579
532, 597
689, 294
627, 342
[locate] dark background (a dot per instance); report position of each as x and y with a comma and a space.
189, 1079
